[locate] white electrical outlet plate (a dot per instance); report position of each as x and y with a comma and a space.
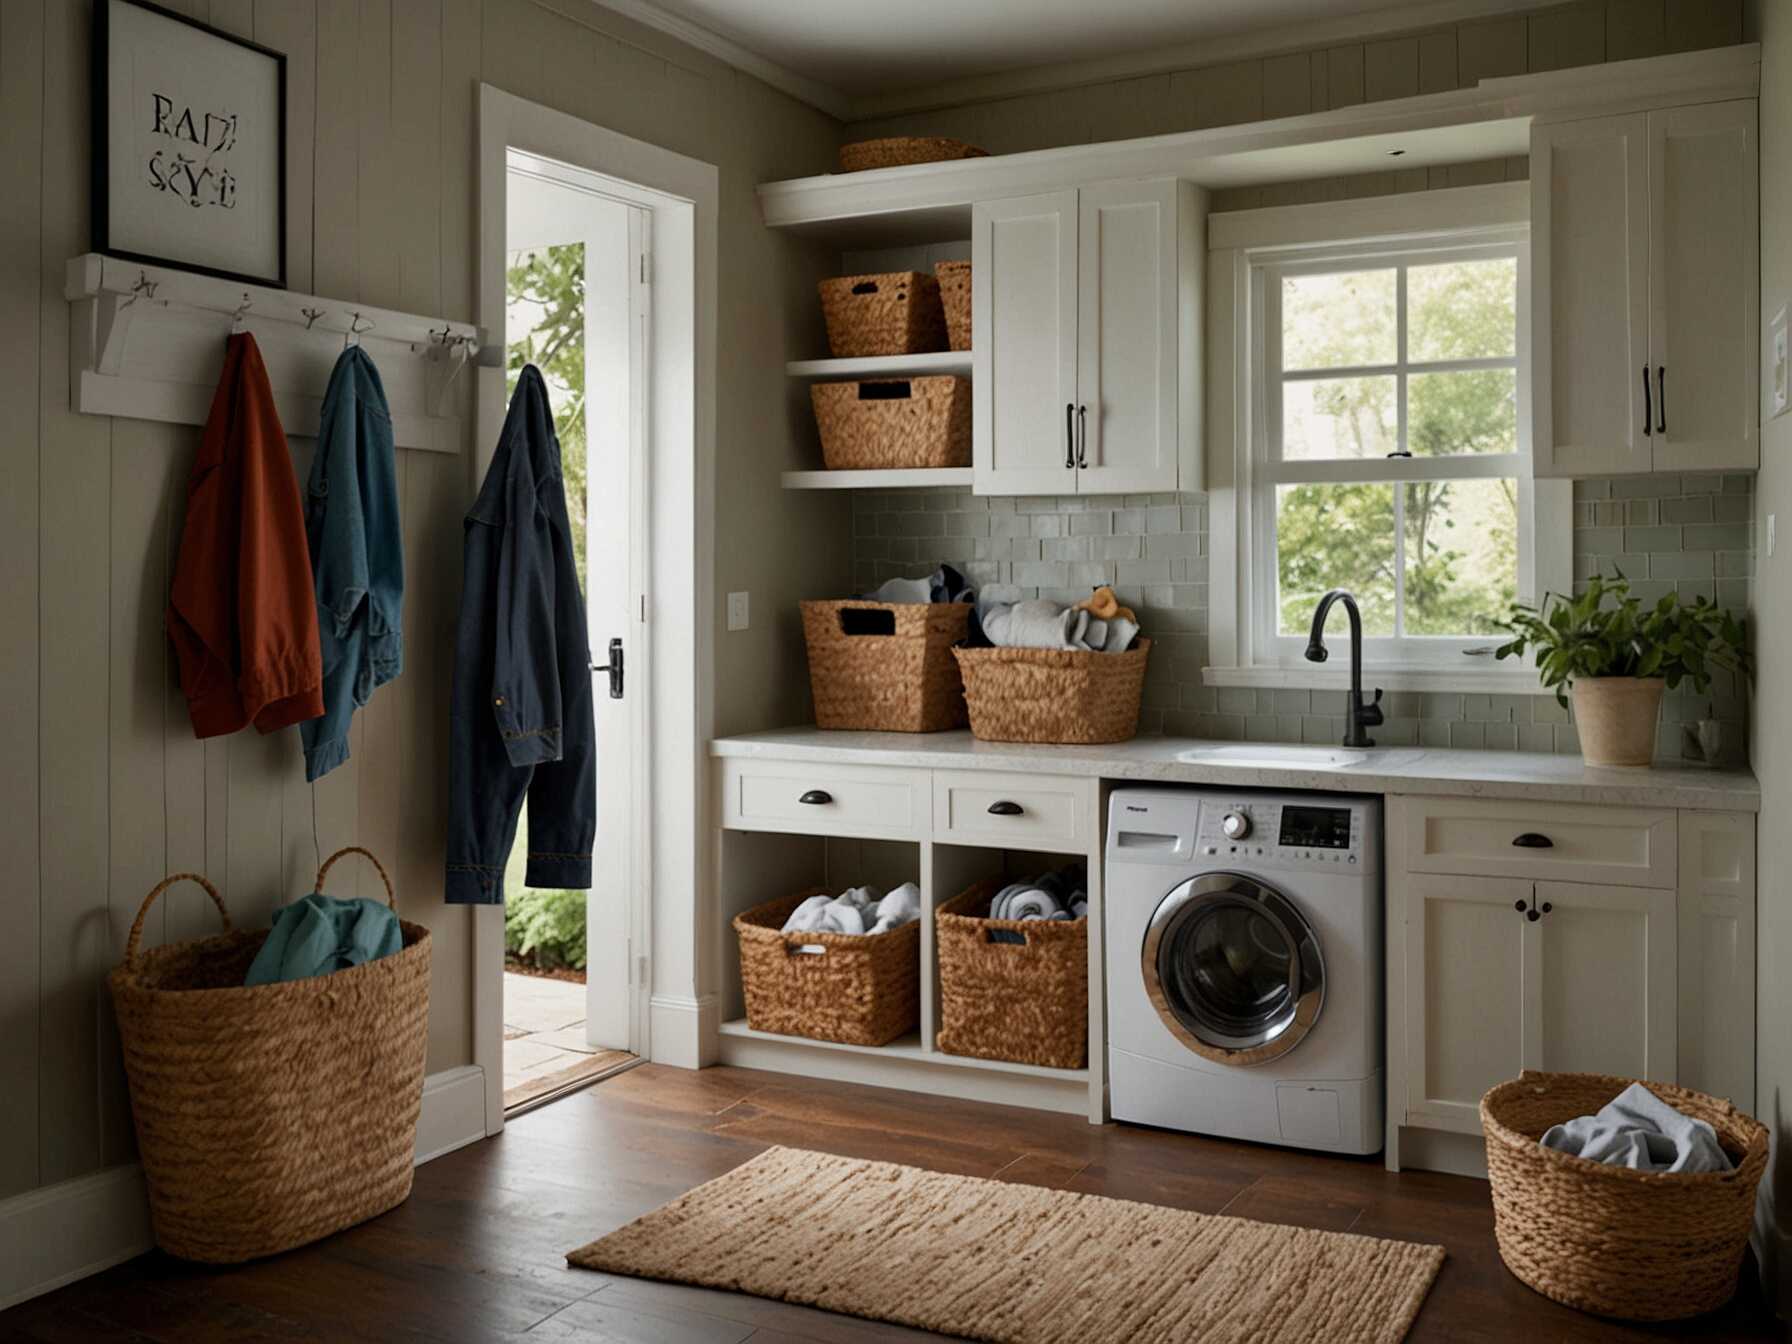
1770, 522
737, 611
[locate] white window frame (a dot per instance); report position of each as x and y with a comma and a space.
1250, 249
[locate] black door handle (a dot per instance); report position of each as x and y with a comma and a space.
1532, 840
1648, 411
1003, 808
816, 797
614, 668
1661, 400
1082, 437
1070, 434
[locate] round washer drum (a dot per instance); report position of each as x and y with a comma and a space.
1233, 969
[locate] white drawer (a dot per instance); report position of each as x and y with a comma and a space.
824, 799
1614, 846
1018, 811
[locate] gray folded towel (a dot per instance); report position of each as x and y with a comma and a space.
1637, 1129
1039, 623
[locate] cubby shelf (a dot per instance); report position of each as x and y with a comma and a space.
910, 1048
883, 366
939, 478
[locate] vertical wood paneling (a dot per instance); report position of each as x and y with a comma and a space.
1634, 29
290, 26
1437, 62
459, 92
1287, 89
1572, 35
21, 165
74, 494
1390, 69
184, 911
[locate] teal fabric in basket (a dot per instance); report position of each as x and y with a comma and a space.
321, 934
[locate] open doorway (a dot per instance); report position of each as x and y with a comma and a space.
576, 307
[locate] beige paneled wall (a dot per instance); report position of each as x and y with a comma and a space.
103, 789
1297, 82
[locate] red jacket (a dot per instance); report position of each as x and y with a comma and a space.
242, 614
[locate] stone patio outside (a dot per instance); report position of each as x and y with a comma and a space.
544, 1036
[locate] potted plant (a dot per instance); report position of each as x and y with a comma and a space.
1616, 655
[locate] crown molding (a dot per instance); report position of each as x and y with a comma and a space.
823, 97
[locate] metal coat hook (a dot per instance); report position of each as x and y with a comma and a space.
355, 331
144, 288
236, 318
312, 314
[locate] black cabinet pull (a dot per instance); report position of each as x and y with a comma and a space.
1070, 432
1003, 808
1661, 400
1082, 437
1532, 840
816, 797
1648, 411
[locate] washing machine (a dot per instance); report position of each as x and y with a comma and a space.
1244, 965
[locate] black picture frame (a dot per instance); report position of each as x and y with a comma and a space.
101, 164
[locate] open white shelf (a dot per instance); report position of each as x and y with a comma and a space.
936, 477
883, 366
908, 1047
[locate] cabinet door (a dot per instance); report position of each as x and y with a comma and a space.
1128, 311
1605, 994
1023, 360
1716, 963
1703, 287
1469, 1013
1589, 296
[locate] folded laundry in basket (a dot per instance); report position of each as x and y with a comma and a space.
1637, 1129
1039, 623
945, 584
1057, 896
320, 934
858, 910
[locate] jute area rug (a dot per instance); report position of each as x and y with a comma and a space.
1016, 1264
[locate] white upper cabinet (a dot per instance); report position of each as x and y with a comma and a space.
1644, 292
1088, 379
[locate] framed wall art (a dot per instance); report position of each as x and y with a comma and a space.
189, 145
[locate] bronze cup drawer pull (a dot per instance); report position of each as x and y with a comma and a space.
1532, 840
1003, 808
816, 797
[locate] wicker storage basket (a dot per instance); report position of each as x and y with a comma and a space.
860, 989
272, 1115
902, 422
1014, 989
1644, 1246
1053, 695
886, 666
897, 313
955, 298
896, 150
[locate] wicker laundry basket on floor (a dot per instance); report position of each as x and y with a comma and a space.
1013, 989
893, 313
1054, 695
271, 1115
1640, 1245
886, 666
859, 989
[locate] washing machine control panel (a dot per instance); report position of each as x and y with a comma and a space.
1324, 835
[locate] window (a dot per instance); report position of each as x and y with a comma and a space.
1380, 426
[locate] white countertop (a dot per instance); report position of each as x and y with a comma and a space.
1537, 776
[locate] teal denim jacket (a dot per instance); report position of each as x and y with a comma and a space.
357, 554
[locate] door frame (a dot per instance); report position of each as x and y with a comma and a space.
676, 626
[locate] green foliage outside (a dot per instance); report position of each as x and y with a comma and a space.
1589, 636
546, 928
545, 326
1459, 539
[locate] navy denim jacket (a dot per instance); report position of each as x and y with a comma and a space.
521, 718
357, 554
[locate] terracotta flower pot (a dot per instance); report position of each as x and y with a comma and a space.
1616, 718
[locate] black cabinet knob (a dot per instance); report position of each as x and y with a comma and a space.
816, 797
1532, 840
1003, 808
1519, 906
1547, 907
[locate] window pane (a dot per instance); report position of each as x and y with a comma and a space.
1335, 536
1339, 417
1461, 555
1450, 414
1335, 321
1462, 309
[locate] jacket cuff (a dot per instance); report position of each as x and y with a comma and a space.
524, 743
558, 871
473, 884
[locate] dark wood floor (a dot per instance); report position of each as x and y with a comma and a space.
476, 1253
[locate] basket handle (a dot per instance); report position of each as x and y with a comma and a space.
378, 867
865, 287
131, 943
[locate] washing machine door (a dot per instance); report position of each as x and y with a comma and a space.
1233, 969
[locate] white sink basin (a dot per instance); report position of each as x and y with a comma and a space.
1270, 755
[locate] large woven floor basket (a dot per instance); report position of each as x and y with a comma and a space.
886, 666
1053, 695
859, 989
1013, 989
1642, 1246
269, 1116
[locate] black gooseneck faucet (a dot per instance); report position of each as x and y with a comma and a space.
1360, 716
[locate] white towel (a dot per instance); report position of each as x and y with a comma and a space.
1637, 1129
1039, 623
901, 906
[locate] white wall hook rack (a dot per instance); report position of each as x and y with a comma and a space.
148, 344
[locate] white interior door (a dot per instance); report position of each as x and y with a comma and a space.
1589, 287
1127, 318
1703, 287
1023, 360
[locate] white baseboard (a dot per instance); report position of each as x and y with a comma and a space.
683, 1031
1772, 1242
52, 1236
